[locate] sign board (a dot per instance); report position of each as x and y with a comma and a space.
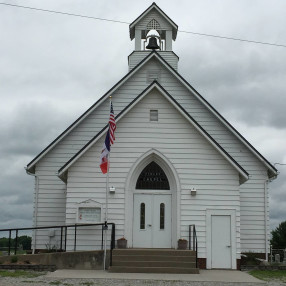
89, 215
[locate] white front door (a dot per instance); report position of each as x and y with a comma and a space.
221, 241
152, 221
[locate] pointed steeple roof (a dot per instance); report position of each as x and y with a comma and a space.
145, 13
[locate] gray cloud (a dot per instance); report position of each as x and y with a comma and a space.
54, 67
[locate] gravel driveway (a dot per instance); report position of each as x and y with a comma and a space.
46, 281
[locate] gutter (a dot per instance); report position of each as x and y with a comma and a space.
265, 218
35, 206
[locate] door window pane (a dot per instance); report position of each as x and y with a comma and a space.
162, 216
142, 216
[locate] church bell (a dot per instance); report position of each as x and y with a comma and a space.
152, 44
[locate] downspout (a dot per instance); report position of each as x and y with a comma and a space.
36, 207
265, 218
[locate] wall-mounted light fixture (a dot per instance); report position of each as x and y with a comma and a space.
112, 190
193, 192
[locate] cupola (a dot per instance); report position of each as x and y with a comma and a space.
153, 30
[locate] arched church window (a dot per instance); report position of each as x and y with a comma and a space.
153, 178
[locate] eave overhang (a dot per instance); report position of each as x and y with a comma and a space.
272, 171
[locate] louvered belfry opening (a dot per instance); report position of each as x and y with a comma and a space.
153, 178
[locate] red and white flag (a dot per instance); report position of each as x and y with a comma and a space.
109, 140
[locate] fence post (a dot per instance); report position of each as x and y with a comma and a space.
74, 238
102, 237
9, 243
16, 241
112, 242
66, 238
189, 237
194, 235
61, 238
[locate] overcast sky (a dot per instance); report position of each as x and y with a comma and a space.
53, 67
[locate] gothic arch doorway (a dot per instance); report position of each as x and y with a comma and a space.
152, 203
152, 219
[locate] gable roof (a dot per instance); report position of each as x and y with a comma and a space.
31, 166
272, 171
243, 175
161, 12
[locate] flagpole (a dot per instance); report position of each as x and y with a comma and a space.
106, 214
106, 208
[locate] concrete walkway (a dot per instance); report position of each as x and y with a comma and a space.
204, 276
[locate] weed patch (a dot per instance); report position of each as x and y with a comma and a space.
55, 283
19, 273
268, 275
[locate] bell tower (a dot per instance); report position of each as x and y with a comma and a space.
153, 30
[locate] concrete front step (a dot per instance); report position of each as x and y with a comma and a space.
153, 258
172, 270
165, 252
154, 264
153, 261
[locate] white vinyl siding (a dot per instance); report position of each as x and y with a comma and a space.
250, 193
216, 181
137, 56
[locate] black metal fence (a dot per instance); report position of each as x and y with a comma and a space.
193, 241
63, 235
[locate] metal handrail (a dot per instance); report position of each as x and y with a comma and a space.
75, 226
193, 241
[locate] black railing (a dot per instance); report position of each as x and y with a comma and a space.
193, 241
63, 235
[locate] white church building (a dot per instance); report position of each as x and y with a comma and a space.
175, 162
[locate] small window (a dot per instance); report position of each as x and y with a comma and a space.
162, 216
142, 216
153, 115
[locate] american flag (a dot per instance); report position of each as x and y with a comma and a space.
109, 140
112, 124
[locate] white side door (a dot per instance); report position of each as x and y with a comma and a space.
152, 221
221, 247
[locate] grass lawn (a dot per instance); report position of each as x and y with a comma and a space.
19, 273
269, 275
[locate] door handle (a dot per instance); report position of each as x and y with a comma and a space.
149, 225
228, 246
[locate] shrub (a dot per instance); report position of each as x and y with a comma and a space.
14, 259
